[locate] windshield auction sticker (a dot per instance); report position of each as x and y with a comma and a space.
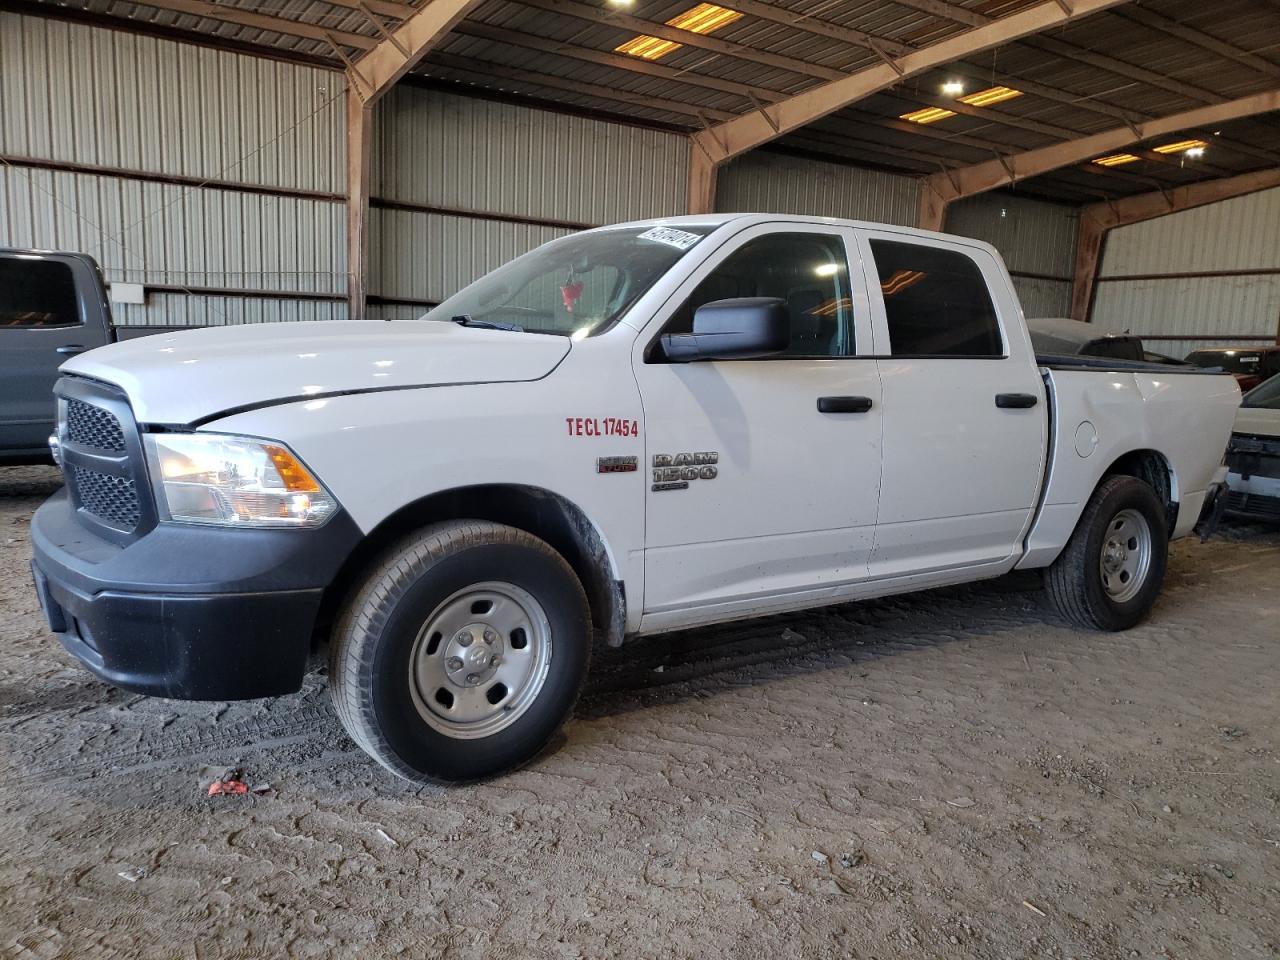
671, 237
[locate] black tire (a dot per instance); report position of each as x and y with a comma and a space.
372, 656
1075, 581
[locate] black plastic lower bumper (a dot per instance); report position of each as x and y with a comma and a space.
187, 612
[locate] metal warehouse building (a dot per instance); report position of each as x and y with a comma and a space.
202, 150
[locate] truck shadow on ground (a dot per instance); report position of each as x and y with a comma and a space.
670, 668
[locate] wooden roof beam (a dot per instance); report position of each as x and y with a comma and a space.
376, 71
733, 137
941, 189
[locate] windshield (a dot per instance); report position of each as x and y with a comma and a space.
1267, 395
1233, 361
575, 286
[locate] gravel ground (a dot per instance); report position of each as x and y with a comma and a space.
954, 773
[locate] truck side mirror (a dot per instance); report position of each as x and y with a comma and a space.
732, 330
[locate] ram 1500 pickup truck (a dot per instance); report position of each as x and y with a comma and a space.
629, 430
52, 306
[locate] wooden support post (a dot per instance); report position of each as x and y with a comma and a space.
933, 207
359, 169
1089, 238
702, 179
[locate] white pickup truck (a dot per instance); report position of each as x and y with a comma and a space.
630, 430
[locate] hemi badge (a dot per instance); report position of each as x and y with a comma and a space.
616, 465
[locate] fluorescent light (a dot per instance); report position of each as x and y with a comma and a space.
1195, 153
927, 115
1180, 146
953, 88
1116, 159
984, 98
704, 18
826, 269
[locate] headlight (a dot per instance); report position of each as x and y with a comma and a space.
235, 481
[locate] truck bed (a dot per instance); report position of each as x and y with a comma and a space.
1101, 410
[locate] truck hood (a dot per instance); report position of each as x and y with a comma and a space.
1258, 421
181, 378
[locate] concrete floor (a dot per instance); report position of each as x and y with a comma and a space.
955, 773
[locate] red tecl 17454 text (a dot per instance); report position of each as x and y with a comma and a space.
602, 427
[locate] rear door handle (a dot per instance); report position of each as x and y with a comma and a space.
844, 404
1016, 401
71, 348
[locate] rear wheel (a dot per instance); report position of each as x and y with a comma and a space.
462, 653
1109, 574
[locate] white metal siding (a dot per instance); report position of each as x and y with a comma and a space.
1033, 236
180, 309
1235, 234
149, 107
106, 97
157, 233
1241, 234
762, 182
475, 158
427, 256
463, 153
1043, 298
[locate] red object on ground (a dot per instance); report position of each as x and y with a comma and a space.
227, 786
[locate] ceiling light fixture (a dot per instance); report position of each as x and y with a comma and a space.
985, 98
927, 115
1116, 159
1180, 146
953, 88
704, 18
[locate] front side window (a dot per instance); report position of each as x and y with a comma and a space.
936, 302
808, 271
37, 293
576, 286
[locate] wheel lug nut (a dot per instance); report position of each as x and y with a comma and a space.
494, 660
473, 678
454, 663
464, 638
490, 637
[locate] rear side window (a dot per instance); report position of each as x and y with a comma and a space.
37, 293
936, 302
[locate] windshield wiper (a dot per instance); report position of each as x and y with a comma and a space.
467, 320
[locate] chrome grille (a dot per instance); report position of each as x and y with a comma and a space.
93, 426
114, 499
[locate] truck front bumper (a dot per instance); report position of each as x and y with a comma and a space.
187, 611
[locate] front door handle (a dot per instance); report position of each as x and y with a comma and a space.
844, 404
71, 348
1016, 401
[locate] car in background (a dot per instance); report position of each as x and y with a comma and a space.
52, 307
1253, 455
1250, 366
1060, 337
1053, 336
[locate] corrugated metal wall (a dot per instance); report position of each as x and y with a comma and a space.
146, 108
1036, 239
476, 182
1166, 276
763, 182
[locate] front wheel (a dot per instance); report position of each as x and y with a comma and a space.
1109, 574
462, 653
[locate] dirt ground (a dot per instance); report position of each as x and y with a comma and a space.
949, 774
